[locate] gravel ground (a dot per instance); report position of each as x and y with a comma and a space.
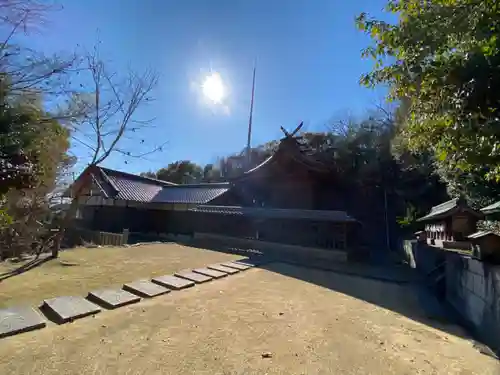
280, 320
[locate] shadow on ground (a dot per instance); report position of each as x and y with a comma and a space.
418, 304
25, 267
412, 300
395, 273
217, 246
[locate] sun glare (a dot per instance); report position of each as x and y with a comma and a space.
213, 88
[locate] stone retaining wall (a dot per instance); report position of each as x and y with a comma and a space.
473, 289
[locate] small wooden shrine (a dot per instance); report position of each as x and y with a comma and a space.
486, 245
450, 223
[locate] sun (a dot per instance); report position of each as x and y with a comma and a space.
213, 88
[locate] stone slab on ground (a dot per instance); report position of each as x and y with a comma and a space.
68, 308
145, 288
16, 320
208, 272
238, 266
113, 298
172, 282
196, 277
253, 262
221, 268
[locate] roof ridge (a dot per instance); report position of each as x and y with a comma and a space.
444, 204
94, 179
155, 180
269, 212
266, 208
493, 206
108, 180
201, 185
291, 146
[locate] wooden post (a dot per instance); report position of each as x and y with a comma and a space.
125, 236
345, 235
387, 235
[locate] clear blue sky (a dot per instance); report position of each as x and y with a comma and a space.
307, 52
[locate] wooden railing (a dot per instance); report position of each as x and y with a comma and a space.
80, 236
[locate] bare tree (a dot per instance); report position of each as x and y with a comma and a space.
23, 70
109, 115
108, 109
100, 116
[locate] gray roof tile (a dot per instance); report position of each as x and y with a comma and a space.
277, 213
132, 187
492, 208
448, 208
441, 209
482, 233
142, 189
197, 194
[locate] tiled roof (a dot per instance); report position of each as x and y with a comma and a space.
131, 187
448, 208
481, 233
492, 208
277, 213
441, 209
196, 193
290, 148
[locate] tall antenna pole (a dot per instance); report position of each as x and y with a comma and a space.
250, 120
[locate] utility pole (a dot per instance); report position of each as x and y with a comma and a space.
249, 138
386, 214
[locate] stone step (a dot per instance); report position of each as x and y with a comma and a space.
173, 282
193, 276
145, 288
16, 320
220, 267
237, 266
112, 298
68, 308
209, 272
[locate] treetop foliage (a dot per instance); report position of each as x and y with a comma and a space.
442, 58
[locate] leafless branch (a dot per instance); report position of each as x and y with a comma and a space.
142, 155
28, 71
84, 143
105, 113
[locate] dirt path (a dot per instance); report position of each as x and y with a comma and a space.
225, 326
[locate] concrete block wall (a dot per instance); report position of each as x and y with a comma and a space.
473, 289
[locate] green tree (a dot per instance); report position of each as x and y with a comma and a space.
211, 174
180, 172
23, 72
32, 144
28, 134
442, 59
